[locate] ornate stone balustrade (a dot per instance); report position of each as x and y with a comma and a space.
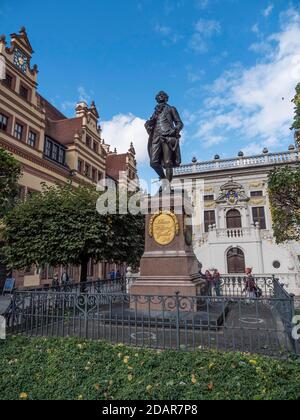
232, 235
258, 160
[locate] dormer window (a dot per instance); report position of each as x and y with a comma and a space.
55, 151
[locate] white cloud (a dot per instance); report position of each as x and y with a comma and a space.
255, 29
254, 104
202, 4
266, 12
204, 30
163, 30
83, 95
121, 130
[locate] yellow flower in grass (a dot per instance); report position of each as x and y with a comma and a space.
126, 360
149, 388
253, 362
194, 379
80, 398
23, 396
130, 377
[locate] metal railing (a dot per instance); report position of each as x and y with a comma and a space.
232, 321
119, 285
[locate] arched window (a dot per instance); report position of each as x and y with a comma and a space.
234, 219
236, 261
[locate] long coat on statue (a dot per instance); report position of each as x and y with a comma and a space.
164, 129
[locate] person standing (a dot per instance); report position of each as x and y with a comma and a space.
250, 288
209, 282
64, 277
217, 282
55, 280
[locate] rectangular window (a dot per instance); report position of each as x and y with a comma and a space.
88, 141
209, 198
100, 176
3, 122
259, 216
61, 156
87, 171
95, 147
8, 81
94, 174
32, 139
18, 131
209, 219
24, 92
79, 166
257, 194
48, 148
55, 152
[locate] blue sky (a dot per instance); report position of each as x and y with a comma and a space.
229, 66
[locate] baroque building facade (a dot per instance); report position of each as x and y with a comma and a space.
232, 216
52, 148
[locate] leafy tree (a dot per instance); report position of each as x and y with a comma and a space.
284, 191
61, 226
296, 123
10, 171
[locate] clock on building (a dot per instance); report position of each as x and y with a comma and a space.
20, 60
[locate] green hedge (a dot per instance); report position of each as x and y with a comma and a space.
52, 369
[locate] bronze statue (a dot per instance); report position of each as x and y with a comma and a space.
164, 129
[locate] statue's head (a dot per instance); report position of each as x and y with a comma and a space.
162, 97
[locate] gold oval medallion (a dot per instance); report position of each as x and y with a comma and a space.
164, 227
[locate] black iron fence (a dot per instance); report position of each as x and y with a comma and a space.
118, 285
228, 322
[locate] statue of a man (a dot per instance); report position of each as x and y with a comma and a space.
164, 129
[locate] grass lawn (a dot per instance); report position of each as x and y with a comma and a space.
90, 370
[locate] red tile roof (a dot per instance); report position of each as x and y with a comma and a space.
64, 131
51, 112
115, 164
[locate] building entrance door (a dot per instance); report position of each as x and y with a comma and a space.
236, 261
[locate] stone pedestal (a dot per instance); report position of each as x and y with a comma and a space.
169, 265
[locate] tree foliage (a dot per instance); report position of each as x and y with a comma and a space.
296, 123
61, 226
284, 190
296, 100
10, 171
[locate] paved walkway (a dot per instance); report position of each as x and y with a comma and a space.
4, 303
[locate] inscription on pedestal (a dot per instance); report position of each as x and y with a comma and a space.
164, 227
